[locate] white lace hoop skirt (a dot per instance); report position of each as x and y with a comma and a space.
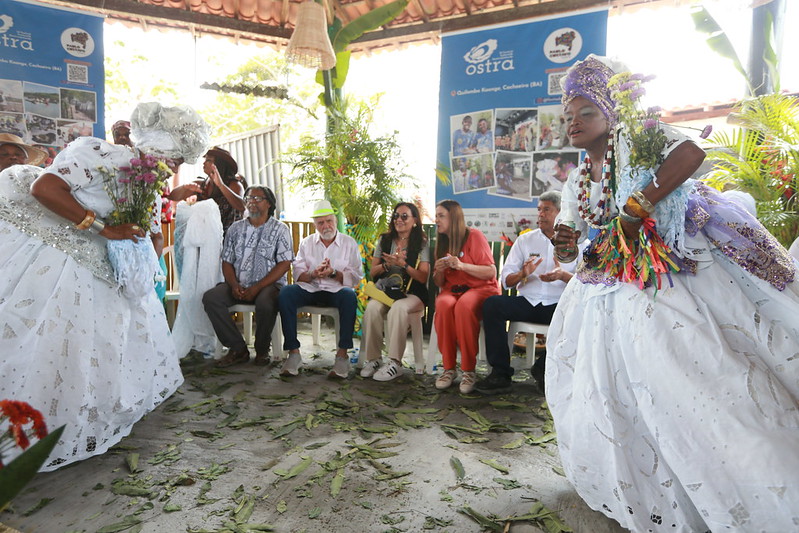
77, 350
679, 413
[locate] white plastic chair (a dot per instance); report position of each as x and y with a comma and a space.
247, 311
316, 320
417, 339
532, 330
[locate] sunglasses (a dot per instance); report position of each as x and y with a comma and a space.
403, 216
254, 198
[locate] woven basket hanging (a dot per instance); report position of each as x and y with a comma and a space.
309, 45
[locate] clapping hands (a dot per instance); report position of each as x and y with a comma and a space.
323, 270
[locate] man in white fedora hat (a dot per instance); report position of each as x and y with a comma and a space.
327, 268
14, 151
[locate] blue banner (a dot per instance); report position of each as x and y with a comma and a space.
51, 74
501, 130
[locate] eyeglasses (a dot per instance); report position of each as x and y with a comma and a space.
254, 199
403, 216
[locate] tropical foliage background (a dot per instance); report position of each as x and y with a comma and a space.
761, 155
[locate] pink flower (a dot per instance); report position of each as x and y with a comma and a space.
123, 180
122, 200
135, 162
149, 177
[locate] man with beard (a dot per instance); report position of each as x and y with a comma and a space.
256, 256
327, 268
539, 279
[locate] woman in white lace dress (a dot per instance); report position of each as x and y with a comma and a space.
73, 345
676, 410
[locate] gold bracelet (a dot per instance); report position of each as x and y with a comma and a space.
635, 208
87, 221
643, 201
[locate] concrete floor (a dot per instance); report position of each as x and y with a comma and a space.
243, 449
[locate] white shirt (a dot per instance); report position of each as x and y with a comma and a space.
344, 257
534, 290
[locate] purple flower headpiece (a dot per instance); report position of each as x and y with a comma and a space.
589, 79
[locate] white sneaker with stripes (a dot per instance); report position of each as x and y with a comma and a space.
389, 371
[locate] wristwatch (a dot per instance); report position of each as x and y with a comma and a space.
333, 274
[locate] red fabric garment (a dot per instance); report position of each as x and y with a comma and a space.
457, 318
475, 251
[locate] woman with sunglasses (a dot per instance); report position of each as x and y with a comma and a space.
402, 253
465, 272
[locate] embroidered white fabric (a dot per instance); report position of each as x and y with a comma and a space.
198, 233
73, 347
678, 412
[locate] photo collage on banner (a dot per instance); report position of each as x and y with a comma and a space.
502, 131
51, 75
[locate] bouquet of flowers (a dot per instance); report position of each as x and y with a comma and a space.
134, 189
642, 127
17, 473
646, 260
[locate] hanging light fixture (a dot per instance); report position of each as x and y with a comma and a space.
309, 45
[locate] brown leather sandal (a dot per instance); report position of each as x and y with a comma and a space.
233, 358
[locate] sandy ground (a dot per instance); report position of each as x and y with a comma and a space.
243, 449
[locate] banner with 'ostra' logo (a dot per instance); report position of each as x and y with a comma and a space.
501, 131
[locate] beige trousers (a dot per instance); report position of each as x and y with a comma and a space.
398, 324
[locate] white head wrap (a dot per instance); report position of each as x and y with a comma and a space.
171, 132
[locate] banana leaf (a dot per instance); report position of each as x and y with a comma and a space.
770, 55
340, 37
717, 40
16, 474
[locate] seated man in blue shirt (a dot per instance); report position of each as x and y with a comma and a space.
255, 258
539, 280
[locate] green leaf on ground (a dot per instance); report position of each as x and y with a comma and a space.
126, 523
482, 520
457, 467
338, 481
514, 444
41, 504
132, 459
495, 465
508, 484
296, 469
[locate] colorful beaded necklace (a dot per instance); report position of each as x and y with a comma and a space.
600, 215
